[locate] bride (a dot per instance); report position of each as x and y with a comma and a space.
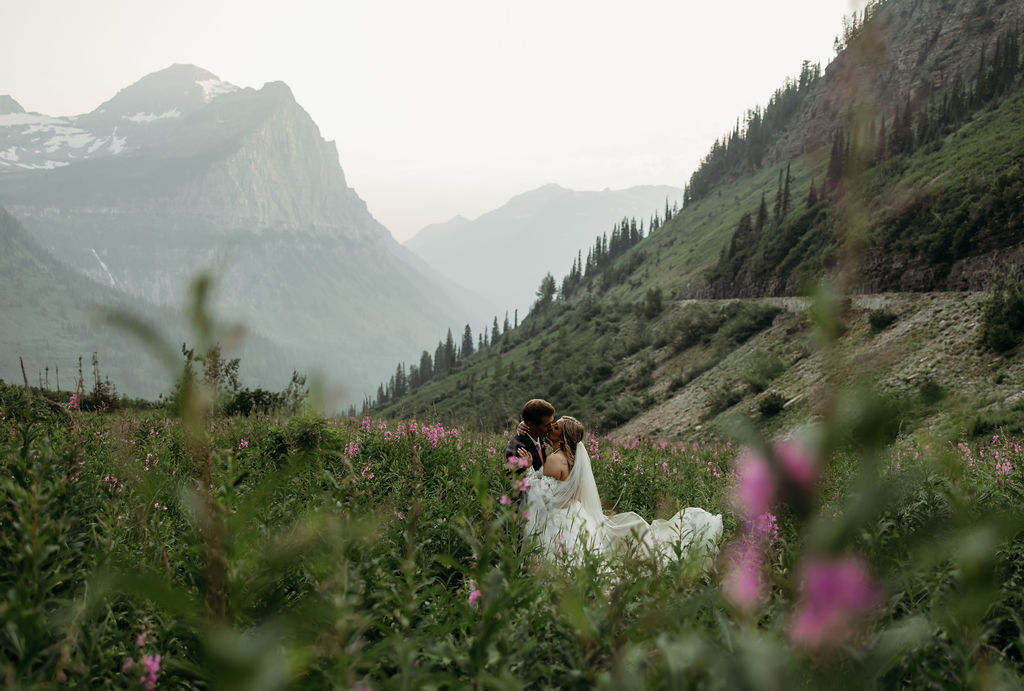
566, 518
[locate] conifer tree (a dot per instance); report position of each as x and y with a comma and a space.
440, 360
450, 356
426, 366
467, 342
762, 215
786, 195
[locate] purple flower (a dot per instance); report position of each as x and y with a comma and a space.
744, 584
798, 464
766, 528
152, 665
754, 489
242, 444
505, 500
73, 402
836, 595
474, 596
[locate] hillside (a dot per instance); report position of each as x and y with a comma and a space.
654, 341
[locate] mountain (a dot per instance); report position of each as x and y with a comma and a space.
504, 254
52, 319
182, 172
874, 172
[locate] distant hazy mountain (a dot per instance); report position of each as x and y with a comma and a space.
182, 171
52, 318
504, 254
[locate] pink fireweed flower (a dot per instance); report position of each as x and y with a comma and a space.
474, 596
351, 449
128, 664
242, 444
140, 641
526, 515
836, 597
1002, 470
743, 584
522, 484
754, 488
73, 402
504, 501
766, 528
152, 666
800, 466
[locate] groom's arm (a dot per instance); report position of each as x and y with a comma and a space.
512, 451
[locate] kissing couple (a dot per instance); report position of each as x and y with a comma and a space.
563, 508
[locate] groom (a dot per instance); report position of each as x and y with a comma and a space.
537, 417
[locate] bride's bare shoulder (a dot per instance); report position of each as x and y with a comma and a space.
557, 465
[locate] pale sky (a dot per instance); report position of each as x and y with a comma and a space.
448, 107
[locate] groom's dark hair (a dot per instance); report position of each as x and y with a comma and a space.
536, 409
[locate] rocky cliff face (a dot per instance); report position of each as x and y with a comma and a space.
207, 176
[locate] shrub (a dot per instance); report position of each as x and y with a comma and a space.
1002, 316
763, 368
722, 398
771, 404
880, 319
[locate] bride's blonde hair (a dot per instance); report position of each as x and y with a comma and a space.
572, 434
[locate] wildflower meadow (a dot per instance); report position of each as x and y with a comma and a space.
177, 545
303, 551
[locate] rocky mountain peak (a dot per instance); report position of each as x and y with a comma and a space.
8, 105
171, 92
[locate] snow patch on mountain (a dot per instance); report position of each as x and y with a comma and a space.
68, 136
117, 143
10, 155
33, 119
150, 117
212, 88
113, 283
45, 165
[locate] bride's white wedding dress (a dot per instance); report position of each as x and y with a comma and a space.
566, 518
